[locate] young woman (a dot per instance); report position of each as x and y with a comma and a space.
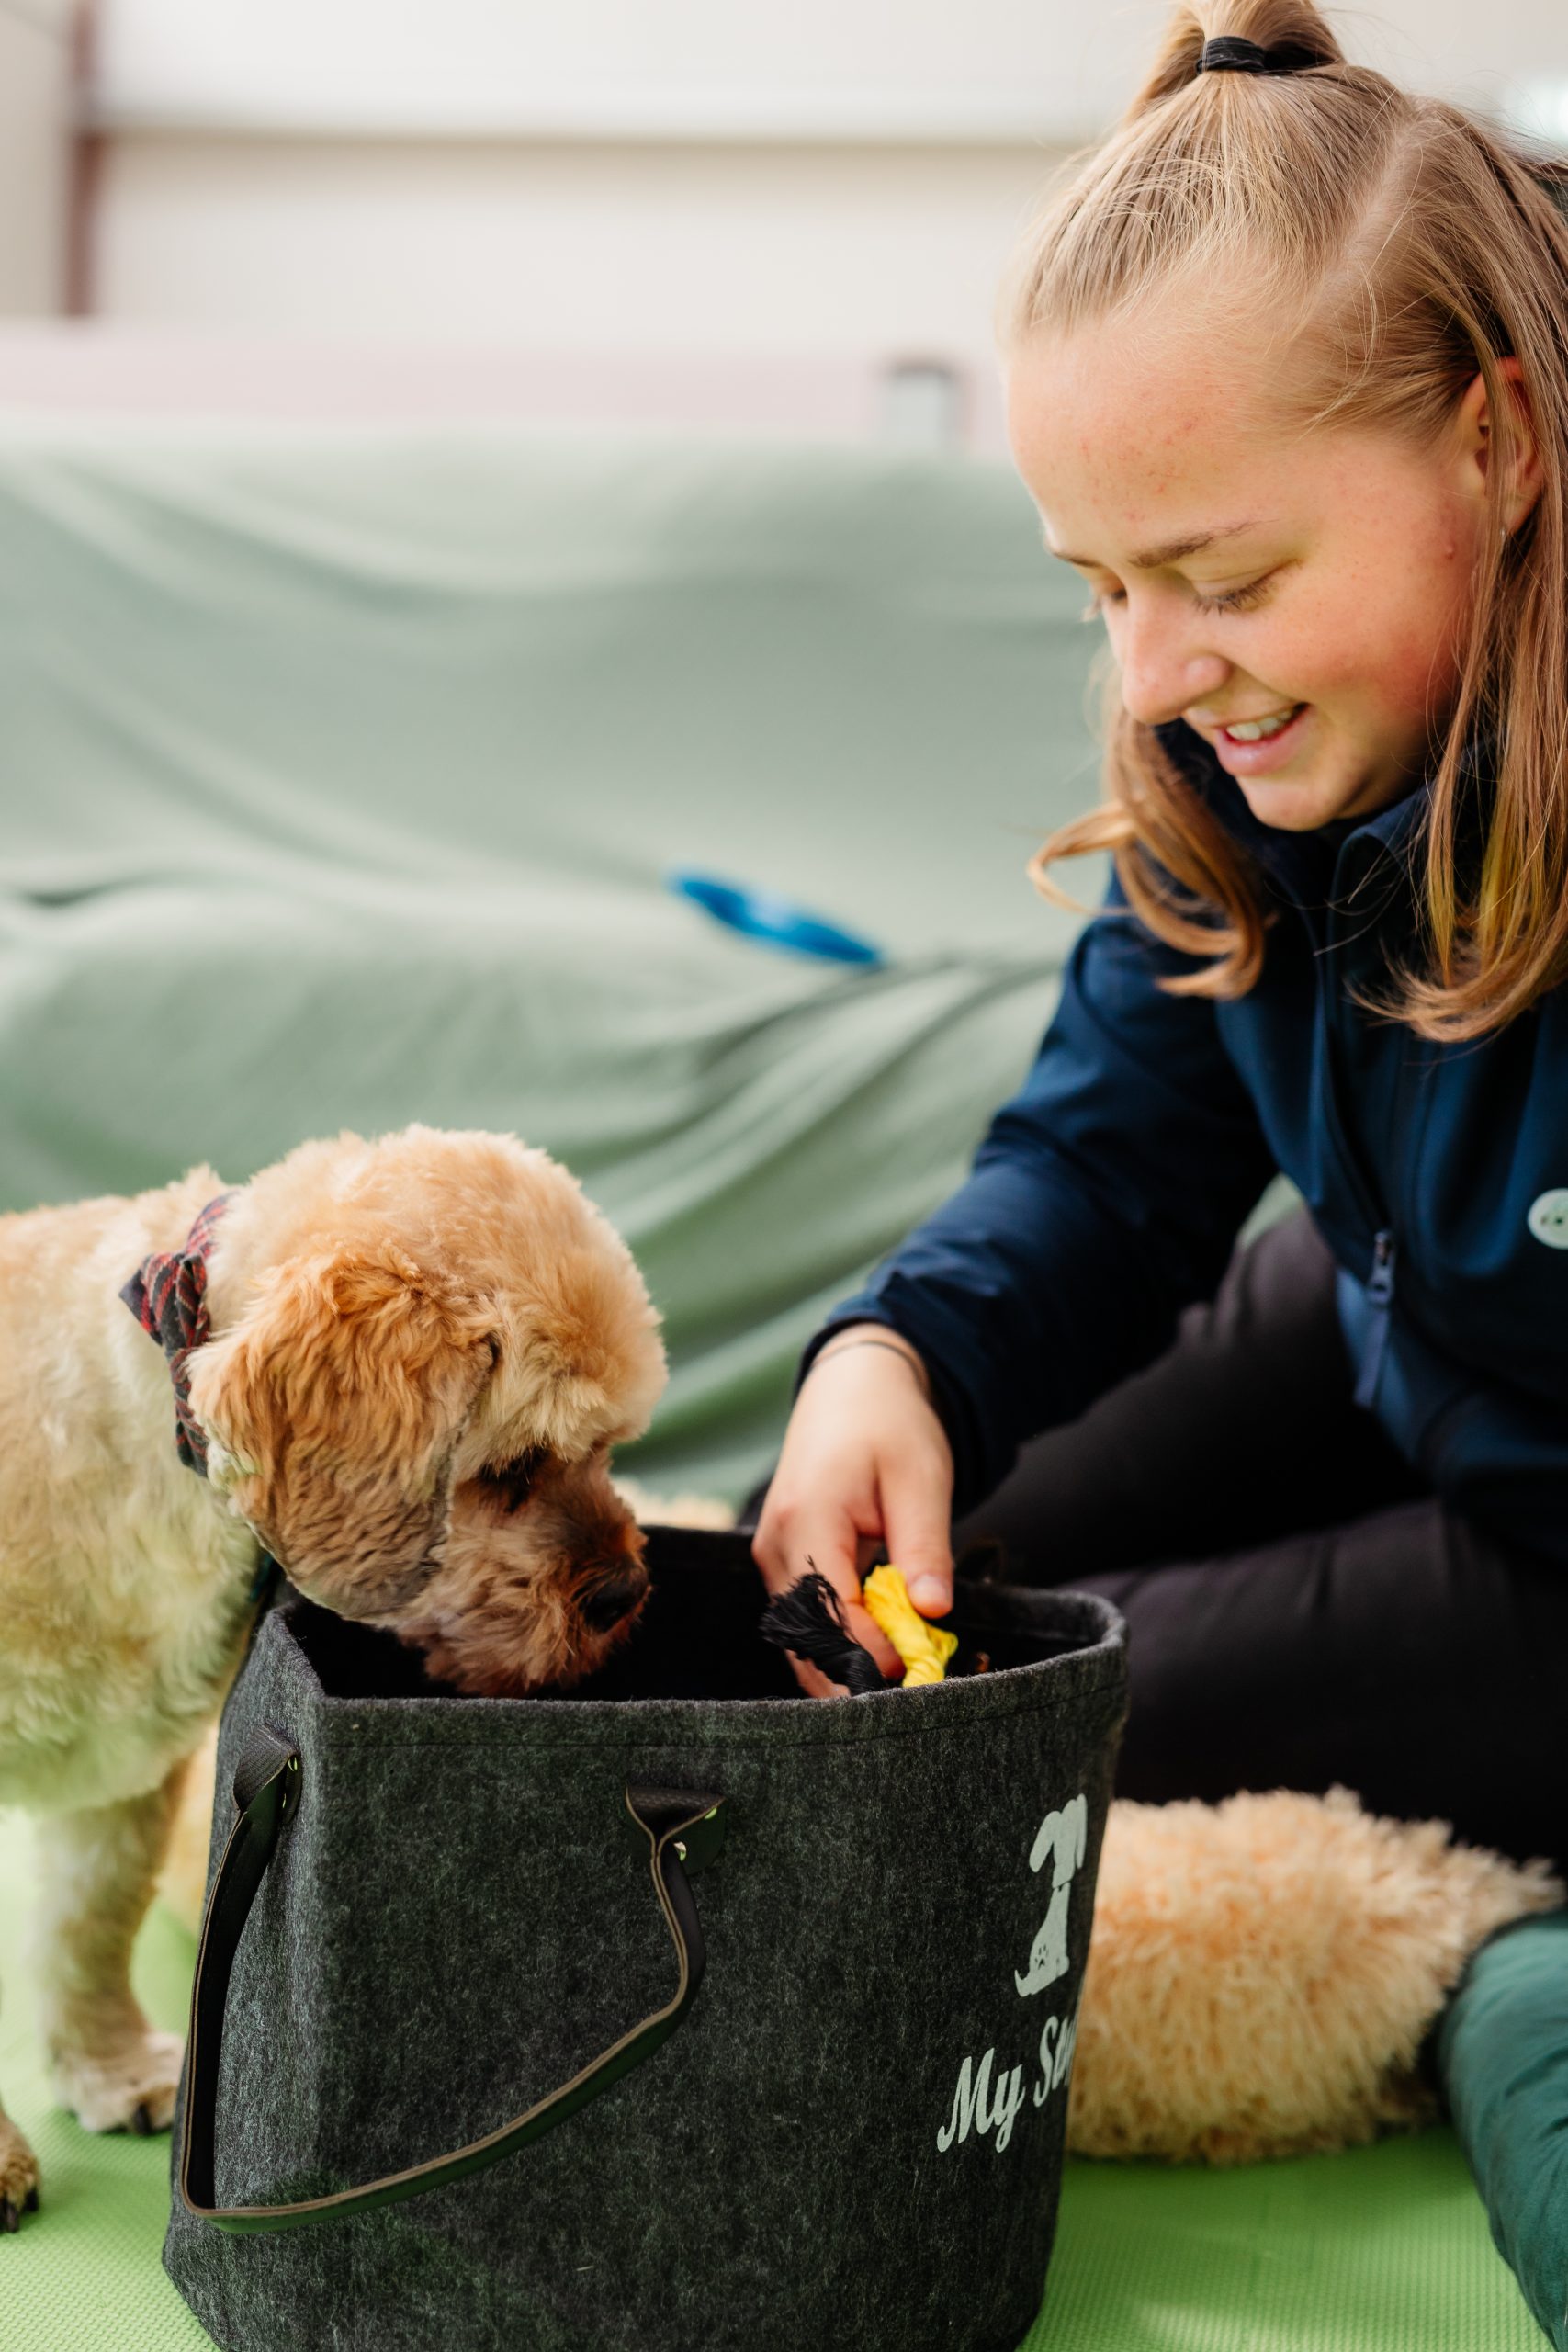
1288, 381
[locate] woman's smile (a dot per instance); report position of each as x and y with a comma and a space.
1258, 752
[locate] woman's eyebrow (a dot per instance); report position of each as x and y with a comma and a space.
1170, 551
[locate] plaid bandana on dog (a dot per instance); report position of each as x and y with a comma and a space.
168, 1299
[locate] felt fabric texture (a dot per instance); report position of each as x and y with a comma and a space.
344, 773
895, 1935
1382, 2250
1502, 2050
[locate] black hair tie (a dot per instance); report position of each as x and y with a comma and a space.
1228, 53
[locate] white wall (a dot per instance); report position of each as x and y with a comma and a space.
840, 177
33, 156
646, 247
736, 65
1058, 68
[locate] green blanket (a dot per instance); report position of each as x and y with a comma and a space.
1503, 2048
340, 778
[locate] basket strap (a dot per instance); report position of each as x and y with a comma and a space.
678, 1830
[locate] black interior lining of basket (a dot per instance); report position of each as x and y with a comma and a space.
696, 1636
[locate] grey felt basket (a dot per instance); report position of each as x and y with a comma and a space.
677, 2014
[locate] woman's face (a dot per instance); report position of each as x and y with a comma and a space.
1250, 572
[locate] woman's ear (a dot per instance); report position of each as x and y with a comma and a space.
1479, 441
333, 1410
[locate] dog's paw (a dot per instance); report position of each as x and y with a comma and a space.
130, 2089
19, 2178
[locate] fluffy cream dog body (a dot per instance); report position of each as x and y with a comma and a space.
1263, 1972
420, 1352
124, 1581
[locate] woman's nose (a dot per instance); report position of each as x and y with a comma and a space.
1165, 667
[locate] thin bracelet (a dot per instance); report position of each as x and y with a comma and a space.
889, 1346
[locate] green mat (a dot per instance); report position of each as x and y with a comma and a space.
1383, 2250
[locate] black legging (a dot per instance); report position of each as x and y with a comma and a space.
1301, 1609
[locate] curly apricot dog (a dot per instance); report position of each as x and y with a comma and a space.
398, 1367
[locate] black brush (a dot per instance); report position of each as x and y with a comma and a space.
808, 1620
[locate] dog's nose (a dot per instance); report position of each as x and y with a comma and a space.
605, 1604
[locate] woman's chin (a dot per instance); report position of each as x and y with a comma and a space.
1299, 804
1290, 804
1307, 792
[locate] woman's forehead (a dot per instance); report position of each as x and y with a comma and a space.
1130, 441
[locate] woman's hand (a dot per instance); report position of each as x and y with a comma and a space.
865, 1467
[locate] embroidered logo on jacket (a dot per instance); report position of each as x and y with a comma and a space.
1547, 1218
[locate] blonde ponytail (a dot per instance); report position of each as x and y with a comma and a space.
1418, 246
1296, 36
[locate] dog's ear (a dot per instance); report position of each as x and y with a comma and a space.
333, 1409
583, 1362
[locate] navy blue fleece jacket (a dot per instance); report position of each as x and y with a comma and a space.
1108, 1192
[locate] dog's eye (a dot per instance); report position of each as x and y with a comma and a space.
510, 1483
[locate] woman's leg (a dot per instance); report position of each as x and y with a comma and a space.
1245, 1428
1300, 1609
1404, 1654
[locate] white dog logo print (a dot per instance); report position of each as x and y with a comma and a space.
1063, 1837
987, 2098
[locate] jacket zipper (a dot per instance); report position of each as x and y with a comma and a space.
1379, 1297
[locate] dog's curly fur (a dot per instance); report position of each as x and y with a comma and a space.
1262, 1973
422, 1350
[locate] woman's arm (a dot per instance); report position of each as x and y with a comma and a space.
1106, 1195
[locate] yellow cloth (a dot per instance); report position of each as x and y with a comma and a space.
924, 1647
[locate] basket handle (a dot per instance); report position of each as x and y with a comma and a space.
680, 1830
